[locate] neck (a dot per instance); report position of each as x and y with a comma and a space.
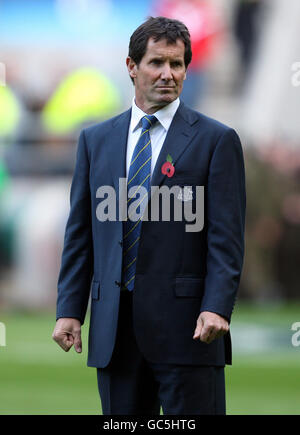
149, 108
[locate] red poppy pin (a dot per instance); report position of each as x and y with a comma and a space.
168, 167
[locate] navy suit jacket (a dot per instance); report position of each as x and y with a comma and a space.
178, 273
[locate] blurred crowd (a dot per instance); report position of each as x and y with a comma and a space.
62, 67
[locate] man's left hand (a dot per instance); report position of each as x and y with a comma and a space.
210, 326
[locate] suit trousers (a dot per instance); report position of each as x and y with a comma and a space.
131, 385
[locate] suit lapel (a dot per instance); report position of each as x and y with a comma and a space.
178, 137
117, 148
180, 133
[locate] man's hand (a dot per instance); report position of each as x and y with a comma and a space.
210, 326
67, 332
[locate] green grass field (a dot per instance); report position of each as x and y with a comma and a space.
37, 377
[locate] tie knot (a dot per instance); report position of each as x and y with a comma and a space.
148, 121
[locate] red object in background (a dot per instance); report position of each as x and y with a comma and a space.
202, 20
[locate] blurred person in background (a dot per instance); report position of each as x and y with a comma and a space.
204, 24
247, 30
161, 297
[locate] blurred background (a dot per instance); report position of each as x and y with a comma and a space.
62, 68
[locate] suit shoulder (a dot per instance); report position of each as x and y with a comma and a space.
220, 131
213, 124
101, 128
210, 125
216, 133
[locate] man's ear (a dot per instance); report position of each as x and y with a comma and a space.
132, 67
184, 75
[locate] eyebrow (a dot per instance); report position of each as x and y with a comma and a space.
158, 57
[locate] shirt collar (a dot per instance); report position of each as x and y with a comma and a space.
164, 115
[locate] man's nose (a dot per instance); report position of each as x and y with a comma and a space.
166, 73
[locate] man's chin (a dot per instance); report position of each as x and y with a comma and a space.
167, 97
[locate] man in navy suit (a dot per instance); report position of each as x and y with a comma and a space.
161, 296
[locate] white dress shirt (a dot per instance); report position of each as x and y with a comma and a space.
157, 133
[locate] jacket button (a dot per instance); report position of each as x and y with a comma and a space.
121, 243
118, 283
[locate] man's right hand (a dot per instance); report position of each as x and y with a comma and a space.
67, 332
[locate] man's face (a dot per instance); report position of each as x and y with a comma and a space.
159, 77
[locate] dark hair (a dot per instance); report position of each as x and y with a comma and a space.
159, 28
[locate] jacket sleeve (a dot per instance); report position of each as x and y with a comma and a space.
226, 205
77, 257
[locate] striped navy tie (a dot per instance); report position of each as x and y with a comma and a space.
139, 175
